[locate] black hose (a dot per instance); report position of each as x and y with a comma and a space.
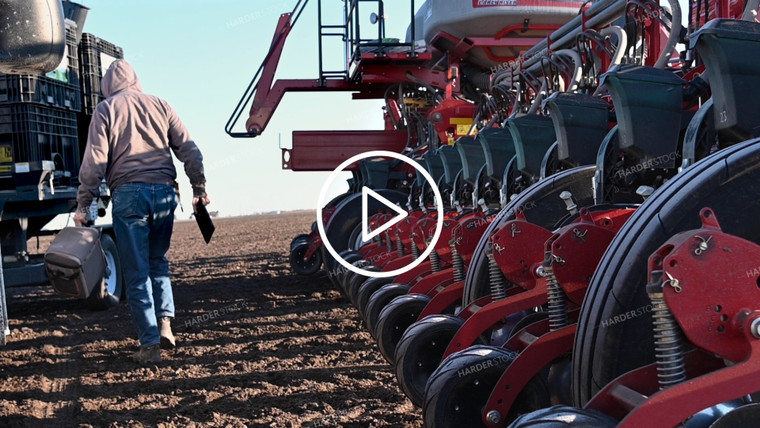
480, 79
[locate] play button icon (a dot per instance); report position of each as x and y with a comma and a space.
401, 214
373, 202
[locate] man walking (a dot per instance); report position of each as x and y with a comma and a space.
131, 139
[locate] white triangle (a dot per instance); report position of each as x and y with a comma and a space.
366, 235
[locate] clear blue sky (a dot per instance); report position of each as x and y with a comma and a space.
199, 55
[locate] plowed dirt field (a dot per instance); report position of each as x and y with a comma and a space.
257, 347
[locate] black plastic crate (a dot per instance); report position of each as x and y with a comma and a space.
95, 55
39, 89
34, 133
72, 54
70, 72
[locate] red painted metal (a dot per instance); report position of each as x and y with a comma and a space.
316, 243
380, 255
518, 248
474, 307
443, 298
531, 360
467, 234
393, 263
709, 282
578, 247
623, 394
434, 280
415, 274
489, 315
326, 150
442, 114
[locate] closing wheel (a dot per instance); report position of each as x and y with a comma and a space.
394, 319
367, 290
542, 206
354, 283
459, 389
420, 351
111, 289
342, 274
564, 417
298, 261
379, 300
615, 327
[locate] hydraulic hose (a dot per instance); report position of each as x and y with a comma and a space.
622, 42
673, 38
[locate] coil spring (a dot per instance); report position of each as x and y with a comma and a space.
557, 300
667, 344
415, 250
495, 277
388, 241
399, 244
435, 261
458, 263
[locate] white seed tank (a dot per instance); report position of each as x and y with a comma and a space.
486, 18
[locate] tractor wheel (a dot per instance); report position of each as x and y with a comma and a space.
298, 249
355, 282
420, 351
542, 206
378, 301
606, 348
394, 319
344, 274
458, 390
367, 290
564, 417
298, 239
111, 290
335, 270
528, 320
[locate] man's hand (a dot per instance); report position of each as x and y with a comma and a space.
80, 218
196, 200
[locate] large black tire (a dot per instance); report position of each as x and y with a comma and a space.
379, 300
727, 182
394, 319
458, 390
111, 290
367, 290
564, 417
542, 206
420, 351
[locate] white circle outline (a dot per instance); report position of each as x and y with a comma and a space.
374, 154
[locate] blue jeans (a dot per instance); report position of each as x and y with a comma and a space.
143, 219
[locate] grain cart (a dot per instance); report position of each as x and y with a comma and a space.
43, 129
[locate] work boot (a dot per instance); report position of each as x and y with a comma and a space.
147, 355
165, 331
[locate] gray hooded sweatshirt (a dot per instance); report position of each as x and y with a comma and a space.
131, 139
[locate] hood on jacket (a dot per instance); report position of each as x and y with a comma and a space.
119, 77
